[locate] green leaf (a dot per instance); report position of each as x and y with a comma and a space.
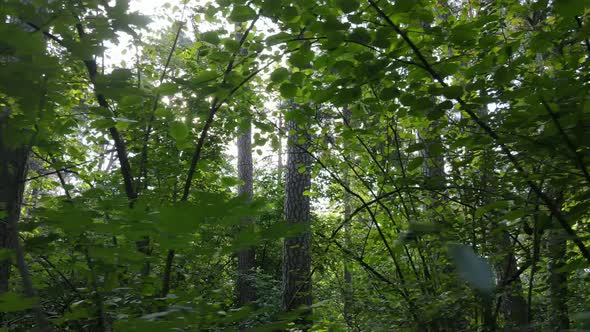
278, 38
472, 268
571, 8
491, 206
211, 37
415, 163
301, 169
301, 58
445, 105
103, 123
389, 93
297, 78
279, 75
288, 90
348, 6
168, 88
347, 96
452, 92
360, 35
231, 45
415, 147
403, 6
204, 77
242, 14
178, 130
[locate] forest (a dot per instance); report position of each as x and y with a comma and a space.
302, 165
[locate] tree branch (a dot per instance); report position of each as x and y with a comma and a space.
144, 150
553, 208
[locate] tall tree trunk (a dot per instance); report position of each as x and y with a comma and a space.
13, 161
246, 291
246, 287
348, 296
13, 171
513, 304
433, 171
280, 152
296, 250
558, 310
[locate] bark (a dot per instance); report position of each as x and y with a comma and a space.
246, 290
348, 295
296, 250
513, 306
13, 171
433, 163
280, 152
13, 161
558, 310
433, 171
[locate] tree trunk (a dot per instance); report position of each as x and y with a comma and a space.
348, 295
246, 290
280, 152
13, 171
296, 250
13, 162
513, 304
558, 310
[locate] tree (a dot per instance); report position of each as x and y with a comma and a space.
436, 172
296, 251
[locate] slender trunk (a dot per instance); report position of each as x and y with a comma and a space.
558, 310
246, 286
348, 296
12, 162
488, 320
167, 273
296, 250
433, 171
13, 170
246, 290
280, 138
513, 304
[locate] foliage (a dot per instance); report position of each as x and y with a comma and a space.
449, 142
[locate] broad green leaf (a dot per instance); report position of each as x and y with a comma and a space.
415, 163
231, 45
415, 147
178, 130
242, 14
491, 206
168, 88
389, 93
211, 37
288, 90
348, 6
202, 78
279, 75
360, 35
453, 92
571, 8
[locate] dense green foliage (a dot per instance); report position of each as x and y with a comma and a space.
449, 143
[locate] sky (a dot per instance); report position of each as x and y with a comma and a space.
124, 52
116, 53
